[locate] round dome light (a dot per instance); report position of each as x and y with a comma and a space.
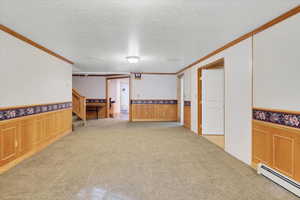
133, 59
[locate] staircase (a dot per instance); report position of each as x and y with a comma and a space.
77, 122
79, 109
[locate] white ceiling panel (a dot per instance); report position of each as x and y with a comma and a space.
167, 34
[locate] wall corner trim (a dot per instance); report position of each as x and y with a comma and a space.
32, 43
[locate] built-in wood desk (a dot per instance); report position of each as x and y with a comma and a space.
94, 107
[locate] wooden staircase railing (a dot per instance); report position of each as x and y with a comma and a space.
79, 105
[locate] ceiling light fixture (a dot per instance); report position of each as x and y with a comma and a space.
133, 59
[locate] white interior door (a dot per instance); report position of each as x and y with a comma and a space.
213, 101
124, 96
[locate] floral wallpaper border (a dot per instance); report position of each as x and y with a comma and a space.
157, 101
96, 100
286, 119
32, 110
187, 103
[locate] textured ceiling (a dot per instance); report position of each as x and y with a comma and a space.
167, 34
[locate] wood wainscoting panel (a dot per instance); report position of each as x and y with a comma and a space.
187, 117
277, 146
23, 136
262, 145
39, 130
8, 135
145, 112
154, 112
171, 112
26, 136
283, 153
49, 126
58, 122
165, 112
151, 111
135, 111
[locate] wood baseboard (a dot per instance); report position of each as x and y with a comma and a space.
32, 152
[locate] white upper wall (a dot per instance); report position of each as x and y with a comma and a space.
154, 87
91, 86
31, 76
276, 66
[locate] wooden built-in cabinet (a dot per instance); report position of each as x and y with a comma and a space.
26, 135
277, 146
154, 112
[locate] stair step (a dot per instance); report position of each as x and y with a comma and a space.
75, 118
77, 124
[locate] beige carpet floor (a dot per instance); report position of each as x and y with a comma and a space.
117, 160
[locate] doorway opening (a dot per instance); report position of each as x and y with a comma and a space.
118, 97
211, 102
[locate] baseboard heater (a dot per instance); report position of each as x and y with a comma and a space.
279, 178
